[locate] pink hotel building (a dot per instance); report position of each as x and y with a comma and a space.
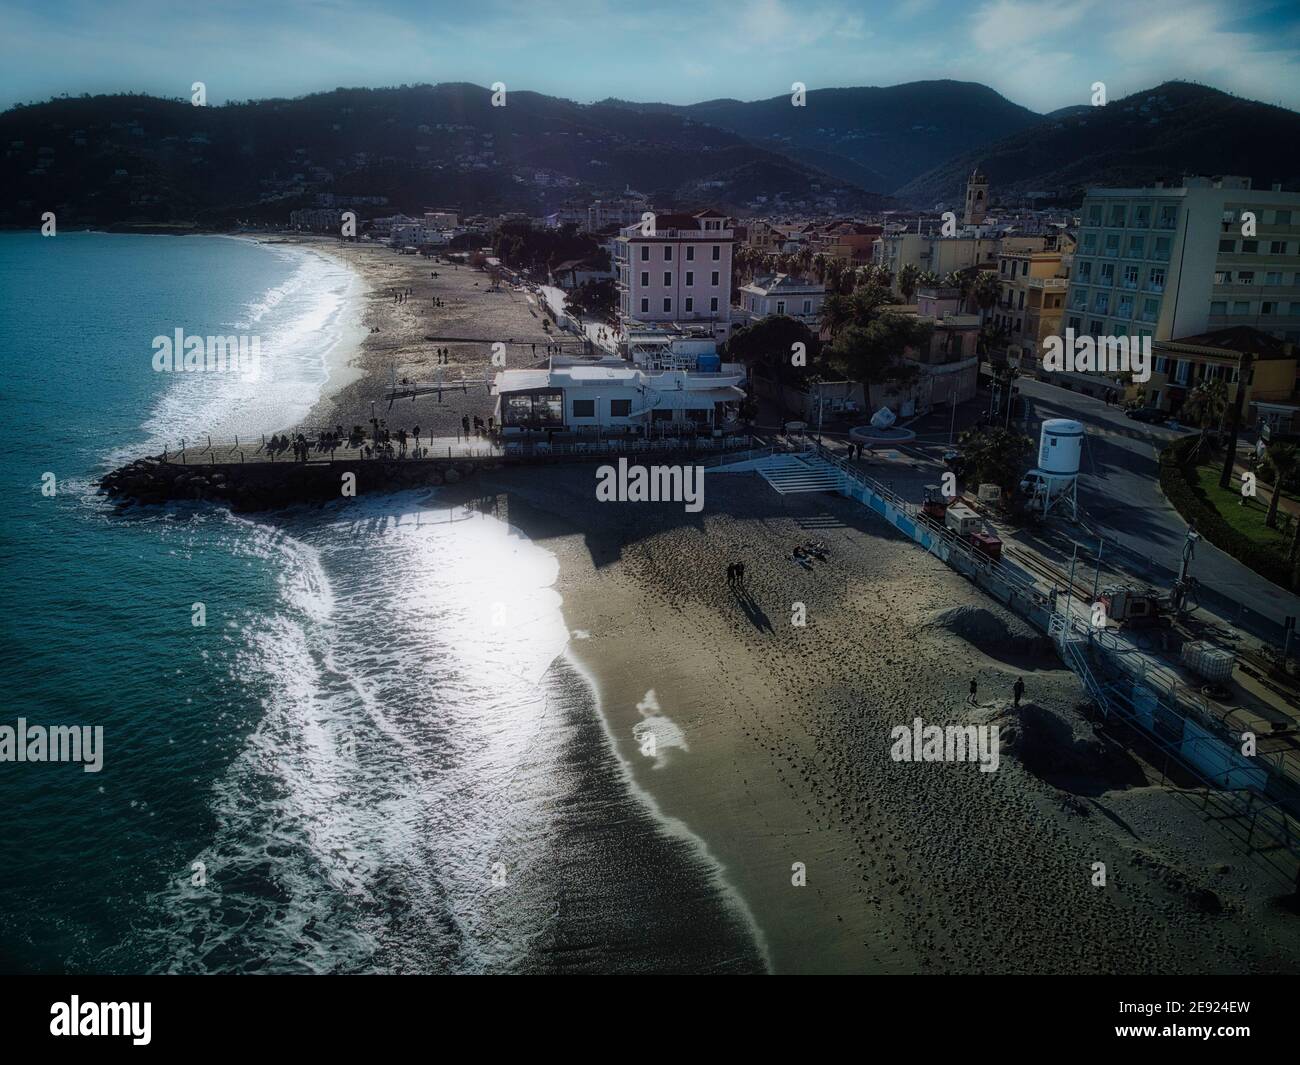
678, 274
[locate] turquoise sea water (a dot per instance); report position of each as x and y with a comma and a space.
339, 769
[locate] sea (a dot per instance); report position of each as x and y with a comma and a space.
336, 739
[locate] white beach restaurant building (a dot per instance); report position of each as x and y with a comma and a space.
615, 399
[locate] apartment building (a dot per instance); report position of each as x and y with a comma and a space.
1033, 287
796, 297
971, 246
1172, 262
679, 272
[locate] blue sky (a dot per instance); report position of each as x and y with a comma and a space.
1043, 54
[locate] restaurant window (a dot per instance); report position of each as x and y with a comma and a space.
584, 408
620, 408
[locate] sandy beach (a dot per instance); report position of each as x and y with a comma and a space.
410, 332
771, 741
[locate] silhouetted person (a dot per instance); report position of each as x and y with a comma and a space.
974, 687
740, 574
1017, 690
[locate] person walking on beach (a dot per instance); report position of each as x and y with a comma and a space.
731, 573
740, 574
974, 687
1017, 690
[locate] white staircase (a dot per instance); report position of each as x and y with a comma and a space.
800, 473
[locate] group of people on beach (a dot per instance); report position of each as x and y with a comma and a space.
736, 574
402, 295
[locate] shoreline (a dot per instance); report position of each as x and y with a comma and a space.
773, 749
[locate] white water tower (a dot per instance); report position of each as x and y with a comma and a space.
1055, 480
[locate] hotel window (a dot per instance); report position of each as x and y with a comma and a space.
1245, 277
1130, 277
1162, 249
1112, 245
690, 278
1074, 323
1223, 277
1268, 307
1273, 277
1249, 247
1107, 274
645, 252
1162, 364
620, 408
1141, 217
690, 304
1125, 308
645, 306
1096, 328
1241, 307
1218, 308
1156, 279
1101, 304
807, 306
1281, 218
1182, 372
1117, 215
1119, 329
668, 304
1094, 214
668, 279
717, 252
714, 282
1137, 247
645, 278
1277, 247
690, 253
1227, 247
1080, 300
1089, 245
1085, 272
584, 408
1168, 217
668, 253
713, 304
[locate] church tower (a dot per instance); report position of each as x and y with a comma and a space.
977, 198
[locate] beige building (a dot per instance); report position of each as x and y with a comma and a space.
1179, 366
1033, 287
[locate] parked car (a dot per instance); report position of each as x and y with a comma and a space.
1153, 415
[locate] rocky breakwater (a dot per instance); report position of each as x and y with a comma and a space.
267, 485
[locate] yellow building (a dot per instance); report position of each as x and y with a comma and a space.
1270, 397
1033, 285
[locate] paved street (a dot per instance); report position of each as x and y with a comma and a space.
1120, 500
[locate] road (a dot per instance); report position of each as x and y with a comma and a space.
1120, 500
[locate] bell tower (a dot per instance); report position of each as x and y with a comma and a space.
977, 198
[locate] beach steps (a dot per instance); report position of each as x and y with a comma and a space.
799, 473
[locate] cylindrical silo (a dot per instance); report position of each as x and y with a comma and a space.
1060, 447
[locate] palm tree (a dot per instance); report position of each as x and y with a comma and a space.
820, 264
908, 278
1206, 406
1284, 458
962, 281
986, 290
837, 312
1234, 419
